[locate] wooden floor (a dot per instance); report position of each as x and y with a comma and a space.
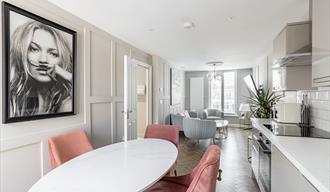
236, 175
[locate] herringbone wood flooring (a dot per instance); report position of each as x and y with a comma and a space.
236, 175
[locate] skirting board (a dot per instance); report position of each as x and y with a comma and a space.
240, 126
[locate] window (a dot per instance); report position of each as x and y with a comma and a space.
225, 89
215, 94
229, 92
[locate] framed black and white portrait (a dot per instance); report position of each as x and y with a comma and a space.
38, 66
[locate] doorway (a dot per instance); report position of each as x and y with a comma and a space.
142, 100
137, 98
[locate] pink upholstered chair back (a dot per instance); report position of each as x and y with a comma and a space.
67, 146
204, 175
166, 132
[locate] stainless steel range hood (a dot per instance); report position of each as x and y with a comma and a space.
293, 45
292, 60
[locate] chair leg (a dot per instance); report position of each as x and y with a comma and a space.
219, 175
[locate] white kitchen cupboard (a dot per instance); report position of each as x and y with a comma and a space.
292, 78
295, 38
262, 72
161, 90
285, 177
321, 43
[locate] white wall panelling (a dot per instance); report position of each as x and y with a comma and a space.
196, 93
101, 95
102, 64
26, 160
101, 121
161, 90
99, 84
179, 107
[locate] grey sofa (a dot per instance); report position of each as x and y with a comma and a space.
195, 128
213, 114
177, 119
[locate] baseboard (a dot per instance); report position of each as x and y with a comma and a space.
240, 126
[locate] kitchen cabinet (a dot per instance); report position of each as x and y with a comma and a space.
292, 78
285, 177
262, 72
295, 38
255, 159
321, 43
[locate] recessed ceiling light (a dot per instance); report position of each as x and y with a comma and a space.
188, 25
151, 30
230, 18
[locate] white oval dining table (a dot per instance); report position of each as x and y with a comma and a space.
127, 166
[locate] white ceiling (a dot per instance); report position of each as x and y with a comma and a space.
156, 27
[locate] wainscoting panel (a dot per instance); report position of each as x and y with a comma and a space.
101, 64
16, 164
121, 49
101, 129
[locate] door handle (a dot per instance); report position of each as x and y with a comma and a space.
127, 112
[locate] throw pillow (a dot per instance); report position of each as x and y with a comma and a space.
186, 113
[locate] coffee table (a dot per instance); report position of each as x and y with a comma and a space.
222, 129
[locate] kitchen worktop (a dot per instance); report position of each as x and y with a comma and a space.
311, 156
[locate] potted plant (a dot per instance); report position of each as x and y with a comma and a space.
262, 102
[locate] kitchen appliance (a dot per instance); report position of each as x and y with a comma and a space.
288, 113
279, 129
261, 160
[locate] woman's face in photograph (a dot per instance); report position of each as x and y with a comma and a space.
42, 56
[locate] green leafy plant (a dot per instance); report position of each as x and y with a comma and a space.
262, 102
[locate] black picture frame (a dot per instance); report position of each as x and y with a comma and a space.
7, 9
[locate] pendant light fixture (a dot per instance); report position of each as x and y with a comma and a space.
214, 75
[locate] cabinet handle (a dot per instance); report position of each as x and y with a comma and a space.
264, 149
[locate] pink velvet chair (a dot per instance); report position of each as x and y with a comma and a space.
202, 178
166, 132
66, 146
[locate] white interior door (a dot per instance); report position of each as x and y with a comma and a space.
130, 99
196, 93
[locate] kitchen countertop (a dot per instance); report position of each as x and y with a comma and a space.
311, 156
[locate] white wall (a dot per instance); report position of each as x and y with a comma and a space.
179, 75
23, 146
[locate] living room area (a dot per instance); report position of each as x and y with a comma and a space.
212, 108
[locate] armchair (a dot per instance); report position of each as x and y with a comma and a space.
177, 119
213, 114
198, 129
245, 115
